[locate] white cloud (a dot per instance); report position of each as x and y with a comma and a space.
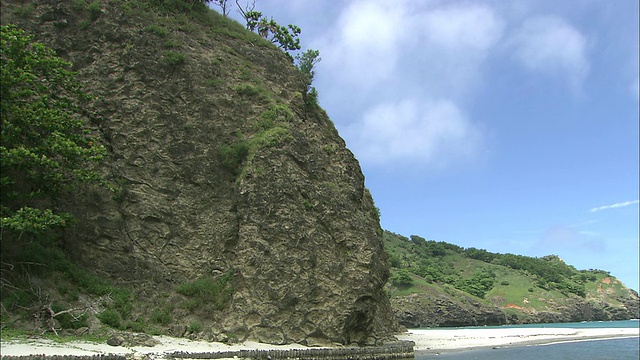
467, 27
616, 205
394, 61
364, 46
550, 45
414, 132
374, 41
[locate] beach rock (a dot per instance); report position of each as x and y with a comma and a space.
178, 330
141, 340
115, 340
82, 331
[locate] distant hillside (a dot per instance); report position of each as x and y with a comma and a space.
440, 284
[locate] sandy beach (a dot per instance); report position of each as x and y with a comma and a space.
429, 341
168, 345
441, 340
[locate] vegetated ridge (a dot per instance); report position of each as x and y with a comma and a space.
235, 212
440, 284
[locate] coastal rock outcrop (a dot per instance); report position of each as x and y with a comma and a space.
435, 310
442, 309
222, 172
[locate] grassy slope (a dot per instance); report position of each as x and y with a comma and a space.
515, 291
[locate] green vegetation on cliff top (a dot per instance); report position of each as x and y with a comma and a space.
506, 280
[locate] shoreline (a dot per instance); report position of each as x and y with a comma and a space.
436, 341
427, 342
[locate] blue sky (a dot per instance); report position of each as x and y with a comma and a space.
510, 126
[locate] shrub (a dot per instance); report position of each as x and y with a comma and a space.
162, 316
111, 318
232, 156
252, 91
94, 10
393, 260
208, 291
160, 31
402, 278
137, 326
273, 115
174, 58
195, 327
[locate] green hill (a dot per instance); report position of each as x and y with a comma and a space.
477, 287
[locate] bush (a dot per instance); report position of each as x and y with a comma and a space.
208, 291
174, 58
402, 278
111, 318
162, 316
160, 31
232, 156
393, 260
252, 91
478, 285
94, 10
195, 327
137, 326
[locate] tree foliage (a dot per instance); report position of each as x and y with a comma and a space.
223, 4
45, 146
435, 262
402, 278
287, 37
305, 63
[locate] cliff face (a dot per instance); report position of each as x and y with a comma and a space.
436, 310
220, 169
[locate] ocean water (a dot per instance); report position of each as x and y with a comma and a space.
614, 349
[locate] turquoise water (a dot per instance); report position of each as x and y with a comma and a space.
573, 325
615, 349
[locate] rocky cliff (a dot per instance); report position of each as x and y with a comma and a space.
430, 309
222, 173
436, 310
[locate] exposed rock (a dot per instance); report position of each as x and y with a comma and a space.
429, 310
440, 309
115, 340
131, 340
291, 219
178, 330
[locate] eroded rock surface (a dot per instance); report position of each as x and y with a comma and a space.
206, 184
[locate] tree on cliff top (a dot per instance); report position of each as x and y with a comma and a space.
45, 146
287, 37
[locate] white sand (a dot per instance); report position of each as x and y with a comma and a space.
438, 340
169, 345
432, 341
